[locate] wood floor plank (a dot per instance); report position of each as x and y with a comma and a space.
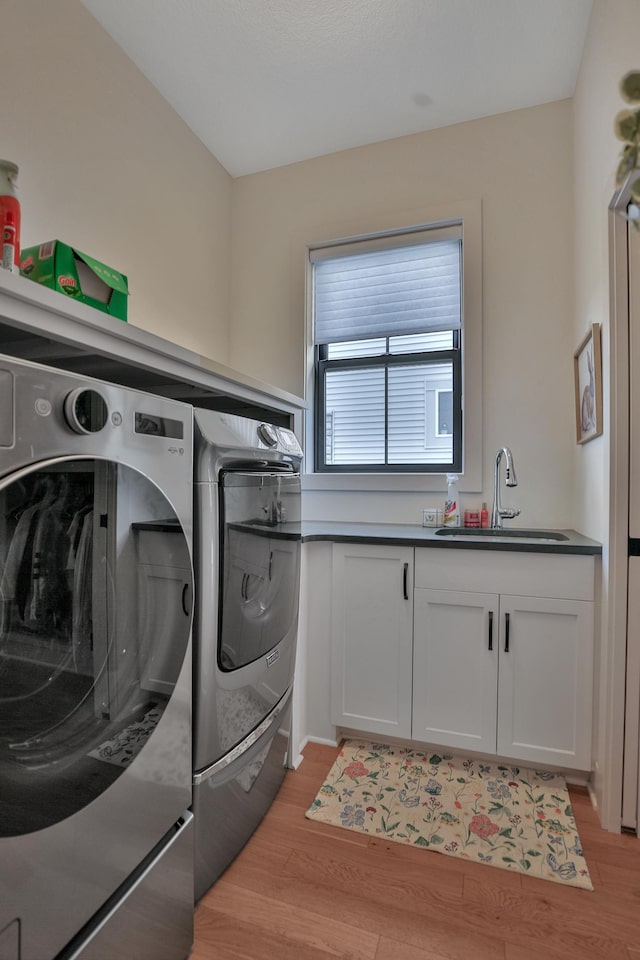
229, 940
426, 917
395, 950
625, 882
410, 888
271, 920
603, 848
544, 950
524, 920
355, 907
301, 889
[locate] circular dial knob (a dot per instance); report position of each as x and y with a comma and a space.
268, 434
85, 410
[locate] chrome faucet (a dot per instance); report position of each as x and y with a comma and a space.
510, 479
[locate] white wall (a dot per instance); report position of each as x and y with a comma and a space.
107, 166
519, 166
610, 51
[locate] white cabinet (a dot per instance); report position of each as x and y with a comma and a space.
372, 618
506, 673
488, 651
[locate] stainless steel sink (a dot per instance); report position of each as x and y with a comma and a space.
508, 535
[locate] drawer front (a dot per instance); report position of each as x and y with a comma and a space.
567, 577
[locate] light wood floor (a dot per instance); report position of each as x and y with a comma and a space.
302, 890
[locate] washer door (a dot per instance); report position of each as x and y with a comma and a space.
95, 616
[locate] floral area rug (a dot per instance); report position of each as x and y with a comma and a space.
505, 816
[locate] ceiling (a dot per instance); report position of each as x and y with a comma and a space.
264, 83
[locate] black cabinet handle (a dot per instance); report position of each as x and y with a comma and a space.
245, 577
405, 574
506, 633
270, 563
490, 629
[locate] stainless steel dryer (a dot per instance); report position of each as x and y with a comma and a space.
247, 577
96, 841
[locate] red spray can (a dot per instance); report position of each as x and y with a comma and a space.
10, 212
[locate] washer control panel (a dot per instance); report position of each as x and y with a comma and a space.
289, 441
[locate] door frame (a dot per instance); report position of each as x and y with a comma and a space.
613, 642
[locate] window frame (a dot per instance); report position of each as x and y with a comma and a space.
467, 212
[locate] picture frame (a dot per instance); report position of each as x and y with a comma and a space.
587, 370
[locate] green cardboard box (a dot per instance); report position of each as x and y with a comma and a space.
61, 267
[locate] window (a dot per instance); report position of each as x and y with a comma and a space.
387, 333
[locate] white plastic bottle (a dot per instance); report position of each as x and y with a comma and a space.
452, 503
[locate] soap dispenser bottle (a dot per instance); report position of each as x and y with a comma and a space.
452, 503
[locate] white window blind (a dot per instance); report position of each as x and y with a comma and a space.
394, 291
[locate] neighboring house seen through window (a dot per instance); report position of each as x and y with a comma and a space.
388, 330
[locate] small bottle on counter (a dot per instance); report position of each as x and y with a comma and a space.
472, 518
452, 503
484, 515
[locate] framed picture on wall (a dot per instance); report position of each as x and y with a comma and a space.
587, 370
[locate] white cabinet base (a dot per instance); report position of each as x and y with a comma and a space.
502, 669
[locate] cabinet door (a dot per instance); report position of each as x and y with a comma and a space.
546, 675
455, 674
372, 621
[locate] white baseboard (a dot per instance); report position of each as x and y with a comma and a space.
323, 741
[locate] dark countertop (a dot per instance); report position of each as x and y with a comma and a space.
412, 535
